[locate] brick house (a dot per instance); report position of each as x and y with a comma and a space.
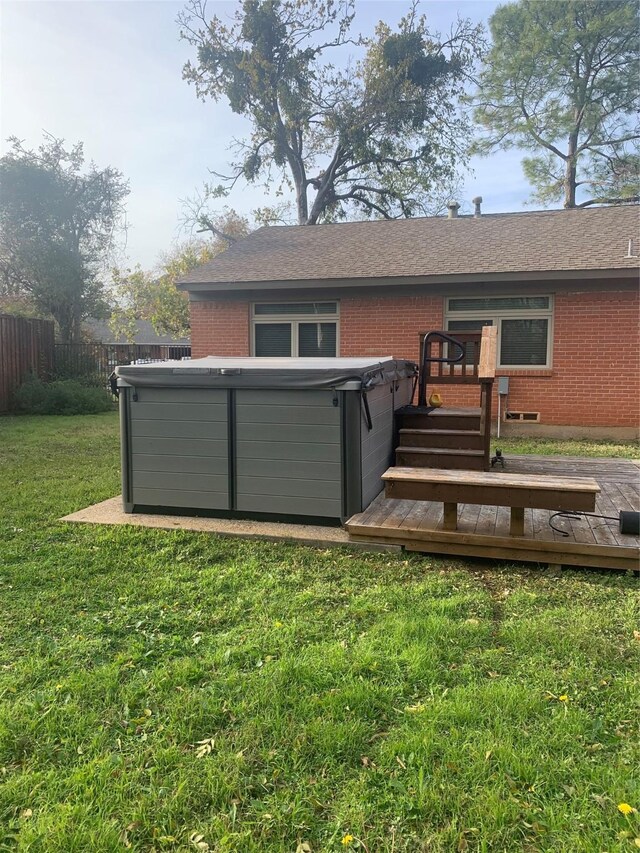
561, 286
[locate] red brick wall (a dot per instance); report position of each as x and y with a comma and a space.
219, 327
595, 374
371, 325
595, 378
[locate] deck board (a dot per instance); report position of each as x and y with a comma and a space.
415, 515
471, 511
605, 532
400, 510
483, 531
486, 518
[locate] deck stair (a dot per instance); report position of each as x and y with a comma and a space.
454, 437
440, 457
463, 439
446, 438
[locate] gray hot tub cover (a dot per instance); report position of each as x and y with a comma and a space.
225, 372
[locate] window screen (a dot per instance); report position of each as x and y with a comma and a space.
269, 309
501, 303
524, 325
524, 342
316, 340
273, 339
290, 329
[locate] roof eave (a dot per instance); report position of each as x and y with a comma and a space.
468, 278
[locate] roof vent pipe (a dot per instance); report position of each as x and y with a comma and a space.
453, 207
477, 201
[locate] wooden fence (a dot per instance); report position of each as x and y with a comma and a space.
26, 347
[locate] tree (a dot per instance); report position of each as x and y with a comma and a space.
152, 295
561, 81
379, 138
58, 224
19, 305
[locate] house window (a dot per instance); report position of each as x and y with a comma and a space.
524, 325
299, 329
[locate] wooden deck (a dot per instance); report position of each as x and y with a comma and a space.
483, 531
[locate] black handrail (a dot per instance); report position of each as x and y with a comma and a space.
422, 392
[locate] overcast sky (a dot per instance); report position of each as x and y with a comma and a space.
108, 73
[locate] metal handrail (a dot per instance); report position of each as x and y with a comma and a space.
422, 391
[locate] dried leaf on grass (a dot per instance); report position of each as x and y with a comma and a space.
205, 747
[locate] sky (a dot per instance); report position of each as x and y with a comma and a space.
109, 73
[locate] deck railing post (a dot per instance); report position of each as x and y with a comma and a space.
486, 376
486, 389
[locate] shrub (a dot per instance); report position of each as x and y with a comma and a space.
63, 397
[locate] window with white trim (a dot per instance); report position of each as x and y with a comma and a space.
295, 329
524, 323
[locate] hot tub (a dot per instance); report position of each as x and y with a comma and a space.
270, 438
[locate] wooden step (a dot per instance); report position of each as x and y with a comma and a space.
412, 417
461, 439
440, 457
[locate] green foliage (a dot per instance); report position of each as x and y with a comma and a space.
383, 138
19, 305
61, 397
152, 295
58, 222
82, 366
157, 686
561, 81
410, 51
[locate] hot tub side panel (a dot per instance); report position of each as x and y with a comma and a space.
179, 447
403, 393
378, 443
288, 452
125, 449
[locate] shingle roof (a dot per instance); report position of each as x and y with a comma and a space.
145, 334
554, 240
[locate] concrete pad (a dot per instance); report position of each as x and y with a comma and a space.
110, 512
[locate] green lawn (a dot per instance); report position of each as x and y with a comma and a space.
568, 447
164, 690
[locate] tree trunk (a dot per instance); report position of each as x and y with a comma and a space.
301, 202
570, 184
76, 329
300, 182
296, 164
570, 173
316, 208
65, 326
67, 316
326, 190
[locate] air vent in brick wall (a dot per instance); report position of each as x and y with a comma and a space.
522, 416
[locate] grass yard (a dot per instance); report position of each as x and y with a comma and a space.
568, 447
172, 691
